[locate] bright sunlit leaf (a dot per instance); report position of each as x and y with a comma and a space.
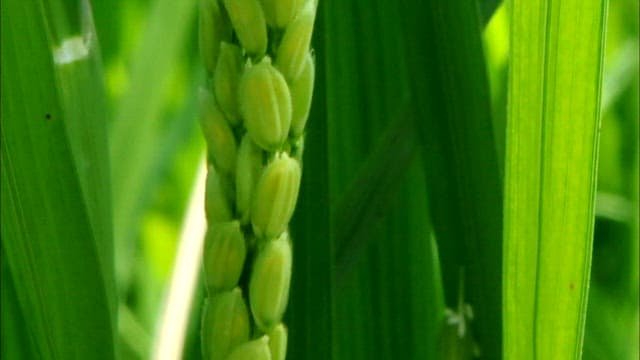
551, 153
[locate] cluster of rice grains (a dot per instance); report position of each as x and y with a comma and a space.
253, 113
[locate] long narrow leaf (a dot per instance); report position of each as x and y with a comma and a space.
16, 343
309, 315
369, 197
80, 89
552, 143
389, 303
55, 220
451, 93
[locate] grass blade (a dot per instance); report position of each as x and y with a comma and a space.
81, 92
451, 99
386, 165
552, 143
309, 312
368, 198
55, 224
365, 98
16, 343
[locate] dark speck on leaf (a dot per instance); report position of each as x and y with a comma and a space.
47, 116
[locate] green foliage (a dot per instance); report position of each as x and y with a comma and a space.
451, 98
408, 146
551, 154
56, 212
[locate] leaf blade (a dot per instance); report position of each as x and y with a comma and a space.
48, 238
451, 99
549, 206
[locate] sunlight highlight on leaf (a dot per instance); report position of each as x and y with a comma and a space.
551, 147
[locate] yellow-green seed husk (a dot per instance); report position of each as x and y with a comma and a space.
278, 342
247, 18
225, 324
265, 104
280, 13
269, 283
226, 79
275, 196
224, 255
301, 95
248, 172
218, 134
214, 27
295, 43
253, 350
216, 203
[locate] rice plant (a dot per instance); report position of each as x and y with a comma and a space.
261, 179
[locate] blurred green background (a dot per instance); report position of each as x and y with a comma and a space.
388, 298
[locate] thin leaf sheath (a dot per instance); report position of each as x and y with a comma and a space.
253, 112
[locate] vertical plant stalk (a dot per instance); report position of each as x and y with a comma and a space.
452, 102
253, 113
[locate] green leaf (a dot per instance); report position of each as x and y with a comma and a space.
16, 344
369, 196
378, 180
551, 147
81, 94
389, 304
56, 223
308, 315
451, 99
